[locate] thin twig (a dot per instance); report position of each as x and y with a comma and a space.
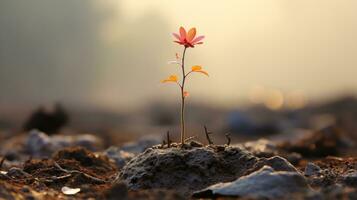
79, 172
2, 161
190, 138
168, 139
228, 136
207, 135
163, 143
54, 178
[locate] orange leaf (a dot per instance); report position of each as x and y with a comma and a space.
203, 72
186, 94
172, 78
196, 68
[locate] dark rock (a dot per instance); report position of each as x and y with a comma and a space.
47, 121
311, 169
350, 178
25, 189
325, 142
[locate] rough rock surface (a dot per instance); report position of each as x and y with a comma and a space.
263, 184
187, 169
311, 169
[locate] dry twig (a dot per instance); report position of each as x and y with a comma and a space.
228, 136
2, 161
190, 138
168, 139
207, 135
79, 172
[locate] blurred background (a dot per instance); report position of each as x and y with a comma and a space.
103, 62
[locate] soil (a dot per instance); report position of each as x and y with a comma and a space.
322, 162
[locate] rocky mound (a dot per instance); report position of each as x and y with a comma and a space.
190, 169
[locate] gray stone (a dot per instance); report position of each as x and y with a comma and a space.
263, 184
311, 169
38, 144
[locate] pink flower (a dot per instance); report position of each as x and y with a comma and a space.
188, 39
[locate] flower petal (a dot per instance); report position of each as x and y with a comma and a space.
182, 33
196, 68
191, 34
197, 39
179, 42
176, 36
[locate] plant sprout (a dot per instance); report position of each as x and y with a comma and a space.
188, 40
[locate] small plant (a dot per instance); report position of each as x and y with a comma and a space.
188, 40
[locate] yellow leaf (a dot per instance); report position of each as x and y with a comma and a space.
196, 68
172, 78
186, 94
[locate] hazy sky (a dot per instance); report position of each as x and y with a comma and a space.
114, 53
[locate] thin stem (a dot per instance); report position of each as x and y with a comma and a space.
183, 97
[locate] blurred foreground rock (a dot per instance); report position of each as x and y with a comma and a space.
263, 184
